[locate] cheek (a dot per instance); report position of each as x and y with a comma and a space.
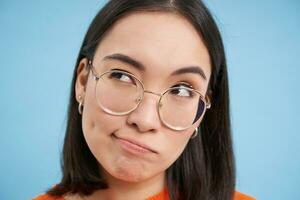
98, 126
174, 145
94, 119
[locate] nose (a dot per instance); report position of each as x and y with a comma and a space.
145, 117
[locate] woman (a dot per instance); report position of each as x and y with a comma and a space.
146, 74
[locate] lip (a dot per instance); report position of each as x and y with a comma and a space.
133, 146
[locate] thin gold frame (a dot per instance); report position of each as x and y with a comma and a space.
96, 77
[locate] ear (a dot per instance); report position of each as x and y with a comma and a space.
81, 78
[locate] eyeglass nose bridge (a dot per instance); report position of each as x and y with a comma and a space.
139, 99
150, 92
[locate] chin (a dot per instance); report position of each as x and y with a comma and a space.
129, 173
133, 178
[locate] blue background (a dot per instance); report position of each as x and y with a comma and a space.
40, 41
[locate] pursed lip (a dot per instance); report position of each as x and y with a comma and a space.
136, 143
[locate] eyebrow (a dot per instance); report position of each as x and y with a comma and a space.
138, 65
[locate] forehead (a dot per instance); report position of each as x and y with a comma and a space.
162, 41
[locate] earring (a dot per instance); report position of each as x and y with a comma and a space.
195, 133
80, 106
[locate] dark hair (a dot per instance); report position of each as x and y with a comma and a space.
206, 168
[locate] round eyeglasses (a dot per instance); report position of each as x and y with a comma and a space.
119, 93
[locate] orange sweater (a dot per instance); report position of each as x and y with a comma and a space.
163, 195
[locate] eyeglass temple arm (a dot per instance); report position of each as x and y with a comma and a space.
94, 73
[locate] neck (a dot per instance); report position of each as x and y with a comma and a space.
119, 189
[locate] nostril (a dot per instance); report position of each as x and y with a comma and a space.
134, 124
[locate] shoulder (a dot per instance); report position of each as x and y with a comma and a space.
241, 196
47, 197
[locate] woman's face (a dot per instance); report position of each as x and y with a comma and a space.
162, 43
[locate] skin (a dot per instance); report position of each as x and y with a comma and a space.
163, 42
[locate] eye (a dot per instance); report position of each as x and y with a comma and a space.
122, 76
182, 90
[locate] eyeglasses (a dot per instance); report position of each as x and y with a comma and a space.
119, 93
